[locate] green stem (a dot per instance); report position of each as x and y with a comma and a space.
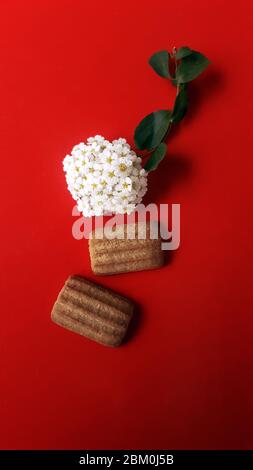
149, 152
166, 135
174, 51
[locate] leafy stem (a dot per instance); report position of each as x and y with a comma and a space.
153, 130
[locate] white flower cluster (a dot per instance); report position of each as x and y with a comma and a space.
105, 177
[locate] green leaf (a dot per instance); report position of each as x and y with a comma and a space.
191, 67
160, 63
156, 157
151, 130
181, 104
183, 52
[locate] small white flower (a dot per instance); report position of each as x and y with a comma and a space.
105, 177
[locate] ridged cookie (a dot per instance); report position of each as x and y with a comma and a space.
112, 256
92, 311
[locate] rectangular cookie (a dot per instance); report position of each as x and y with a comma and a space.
92, 311
112, 256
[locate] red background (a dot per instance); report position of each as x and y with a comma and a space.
72, 69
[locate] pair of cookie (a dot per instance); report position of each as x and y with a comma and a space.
94, 311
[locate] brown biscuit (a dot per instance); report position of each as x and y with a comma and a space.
92, 311
111, 256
